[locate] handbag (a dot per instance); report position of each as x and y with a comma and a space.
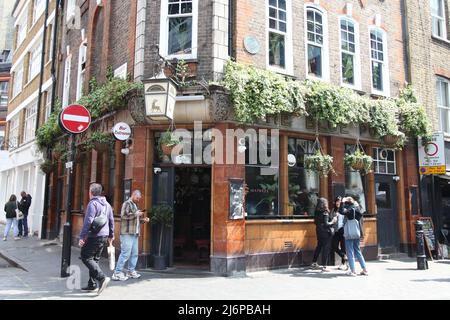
111, 257
19, 214
99, 222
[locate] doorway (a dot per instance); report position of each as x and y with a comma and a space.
387, 219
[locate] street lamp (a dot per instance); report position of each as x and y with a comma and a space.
160, 98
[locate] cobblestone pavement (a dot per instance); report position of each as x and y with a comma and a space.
388, 279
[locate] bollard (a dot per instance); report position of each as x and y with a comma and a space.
66, 252
422, 263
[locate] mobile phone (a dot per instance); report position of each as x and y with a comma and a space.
143, 210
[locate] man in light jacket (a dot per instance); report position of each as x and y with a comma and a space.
91, 243
130, 226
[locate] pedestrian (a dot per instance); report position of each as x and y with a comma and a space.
131, 219
353, 233
338, 241
11, 218
24, 207
98, 228
324, 233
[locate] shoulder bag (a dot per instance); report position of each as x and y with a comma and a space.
19, 214
99, 221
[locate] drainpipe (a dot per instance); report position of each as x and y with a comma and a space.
231, 8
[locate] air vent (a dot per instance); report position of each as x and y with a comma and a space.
288, 244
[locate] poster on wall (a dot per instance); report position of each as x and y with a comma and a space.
237, 199
126, 190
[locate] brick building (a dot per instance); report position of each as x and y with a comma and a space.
301, 39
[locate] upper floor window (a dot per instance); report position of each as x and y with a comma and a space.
384, 161
178, 34
22, 27
71, 8
66, 89
439, 28
443, 103
380, 72
14, 132
316, 43
48, 104
279, 37
35, 61
18, 81
29, 128
38, 9
3, 93
81, 69
349, 52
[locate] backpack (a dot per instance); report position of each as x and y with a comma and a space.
99, 221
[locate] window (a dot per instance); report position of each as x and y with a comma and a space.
303, 184
18, 81
380, 75
384, 161
30, 123
70, 10
14, 132
279, 38
81, 69
35, 61
50, 43
443, 104
66, 90
438, 18
316, 43
179, 32
21, 29
349, 53
38, 9
48, 104
3, 94
355, 183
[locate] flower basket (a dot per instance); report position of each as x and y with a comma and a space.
47, 167
391, 139
359, 161
166, 149
168, 142
358, 165
320, 163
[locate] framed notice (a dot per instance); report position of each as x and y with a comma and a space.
126, 190
237, 199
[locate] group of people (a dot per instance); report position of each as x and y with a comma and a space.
17, 216
97, 233
339, 230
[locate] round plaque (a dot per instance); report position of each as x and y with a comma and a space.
251, 45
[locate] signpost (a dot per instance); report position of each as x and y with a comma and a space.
74, 119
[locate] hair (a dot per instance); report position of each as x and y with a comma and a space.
137, 193
96, 189
13, 198
23, 193
322, 205
336, 200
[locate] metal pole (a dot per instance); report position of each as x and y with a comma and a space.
67, 237
434, 214
422, 263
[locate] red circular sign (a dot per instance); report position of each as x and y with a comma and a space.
75, 119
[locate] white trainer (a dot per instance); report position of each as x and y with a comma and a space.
133, 275
119, 276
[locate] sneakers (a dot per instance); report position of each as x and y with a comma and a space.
324, 269
4, 238
364, 273
89, 288
314, 265
119, 276
351, 274
102, 284
343, 266
133, 275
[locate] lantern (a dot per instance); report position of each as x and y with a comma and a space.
160, 98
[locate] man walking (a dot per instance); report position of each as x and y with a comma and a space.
98, 227
132, 218
24, 207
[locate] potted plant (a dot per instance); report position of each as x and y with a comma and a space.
359, 161
47, 166
58, 150
167, 142
321, 163
161, 215
100, 141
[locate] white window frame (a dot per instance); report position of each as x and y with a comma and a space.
4, 94
29, 127
38, 10
71, 10
82, 59
164, 31
35, 61
356, 55
289, 68
377, 162
67, 74
386, 72
22, 22
48, 104
13, 137
18, 81
443, 107
441, 19
324, 46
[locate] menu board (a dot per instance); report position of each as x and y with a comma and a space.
237, 195
428, 232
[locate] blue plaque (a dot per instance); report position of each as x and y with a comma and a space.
251, 45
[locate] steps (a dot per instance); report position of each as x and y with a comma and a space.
392, 256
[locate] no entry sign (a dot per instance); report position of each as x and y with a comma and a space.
75, 119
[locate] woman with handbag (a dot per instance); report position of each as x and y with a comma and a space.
353, 233
12, 213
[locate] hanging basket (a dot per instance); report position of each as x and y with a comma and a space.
47, 167
101, 146
358, 165
391, 140
319, 161
166, 149
358, 160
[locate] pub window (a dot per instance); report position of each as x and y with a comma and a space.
303, 184
355, 183
380, 72
278, 34
439, 28
384, 161
261, 179
316, 43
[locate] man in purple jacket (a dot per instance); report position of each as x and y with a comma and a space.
91, 243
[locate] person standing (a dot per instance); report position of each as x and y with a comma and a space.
338, 241
24, 207
324, 232
93, 237
353, 233
132, 218
11, 218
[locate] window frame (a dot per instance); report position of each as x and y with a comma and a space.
164, 32
66, 83
289, 62
22, 23
386, 76
14, 132
82, 60
443, 19
376, 162
35, 58
17, 90
29, 125
356, 55
440, 107
38, 14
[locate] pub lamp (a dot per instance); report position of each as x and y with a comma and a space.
160, 98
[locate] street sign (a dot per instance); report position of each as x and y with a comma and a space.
432, 155
121, 131
75, 119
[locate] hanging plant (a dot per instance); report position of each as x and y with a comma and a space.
320, 163
58, 150
100, 141
167, 142
359, 161
47, 166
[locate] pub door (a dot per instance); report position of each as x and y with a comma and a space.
387, 215
163, 193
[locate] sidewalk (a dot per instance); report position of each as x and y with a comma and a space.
388, 279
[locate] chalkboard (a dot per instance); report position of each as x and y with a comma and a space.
428, 232
237, 196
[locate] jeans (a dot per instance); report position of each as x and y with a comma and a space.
129, 251
353, 249
324, 246
11, 222
90, 255
23, 226
338, 244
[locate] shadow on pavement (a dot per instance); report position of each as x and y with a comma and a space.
434, 280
